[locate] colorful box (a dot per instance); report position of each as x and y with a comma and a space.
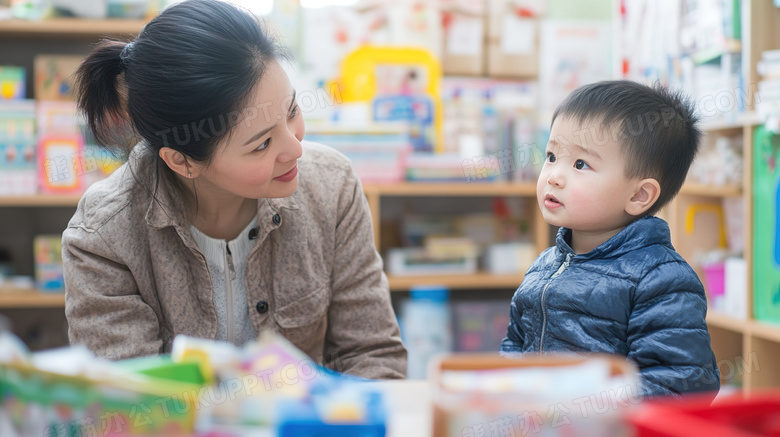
18, 176
41, 403
47, 250
54, 76
12, 83
766, 226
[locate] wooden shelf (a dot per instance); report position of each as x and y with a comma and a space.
716, 124
400, 189
475, 281
70, 27
754, 328
711, 191
11, 298
727, 322
765, 330
41, 200
453, 189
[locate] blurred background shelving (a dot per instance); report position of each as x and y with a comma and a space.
747, 348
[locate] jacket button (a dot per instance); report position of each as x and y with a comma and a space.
262, 307
277, 219
253, 233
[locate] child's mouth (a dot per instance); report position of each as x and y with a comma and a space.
550, 202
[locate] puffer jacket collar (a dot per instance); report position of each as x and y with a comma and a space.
640, 233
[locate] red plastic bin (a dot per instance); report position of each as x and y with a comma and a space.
732, 416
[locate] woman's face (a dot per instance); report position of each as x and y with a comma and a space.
259, 158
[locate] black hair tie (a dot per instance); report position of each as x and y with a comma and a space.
125, 53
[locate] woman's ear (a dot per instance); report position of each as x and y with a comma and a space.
177, 162
647, 193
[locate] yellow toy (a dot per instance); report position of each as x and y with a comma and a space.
400, 84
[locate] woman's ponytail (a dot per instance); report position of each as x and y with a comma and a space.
99, 96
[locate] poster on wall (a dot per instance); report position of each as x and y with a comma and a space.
766, 244
573, 53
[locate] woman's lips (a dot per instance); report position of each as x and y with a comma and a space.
287, 177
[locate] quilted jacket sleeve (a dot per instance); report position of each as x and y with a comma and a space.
667, 333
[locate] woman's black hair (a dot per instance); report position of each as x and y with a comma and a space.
181, 83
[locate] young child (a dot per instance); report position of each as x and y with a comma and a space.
618, 152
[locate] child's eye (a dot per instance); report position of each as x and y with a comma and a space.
263, 146
294, 112
580, 165
550, 157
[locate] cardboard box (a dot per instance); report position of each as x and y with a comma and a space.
54, 76
463, 48
509, 414
512, 41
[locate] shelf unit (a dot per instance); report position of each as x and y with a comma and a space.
69, 27
374, 193
747, 351
16, 298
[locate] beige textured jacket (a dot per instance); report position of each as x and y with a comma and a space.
135, 278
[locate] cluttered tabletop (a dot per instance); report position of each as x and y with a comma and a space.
269, 388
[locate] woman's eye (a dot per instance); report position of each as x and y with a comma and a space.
550, 157
294, 112
580, 165
263, 146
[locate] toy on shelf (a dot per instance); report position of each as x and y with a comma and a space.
54, 76
48, 263
398, 84
12, 83
378, 151
18, 175
766, 226
58, 158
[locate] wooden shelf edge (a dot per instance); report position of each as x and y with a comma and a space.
41, 200
743, 120
12, 298
694, 189
71, 27
728, 323
452, 189
765, 331
457, 282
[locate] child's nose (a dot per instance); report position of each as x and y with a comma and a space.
555, 179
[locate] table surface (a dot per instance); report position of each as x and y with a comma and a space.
409, 405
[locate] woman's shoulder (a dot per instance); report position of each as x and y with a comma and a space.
105, 200
324, 168
320, 156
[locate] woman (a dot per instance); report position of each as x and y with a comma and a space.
223, 223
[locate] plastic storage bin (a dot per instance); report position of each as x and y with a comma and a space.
732, 416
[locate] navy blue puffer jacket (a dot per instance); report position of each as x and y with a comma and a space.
634, 295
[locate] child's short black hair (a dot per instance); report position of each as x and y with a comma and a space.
655, 126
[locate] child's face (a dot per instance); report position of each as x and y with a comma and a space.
582, 184
259, 159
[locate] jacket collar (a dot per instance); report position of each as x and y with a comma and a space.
643, 232
166, 207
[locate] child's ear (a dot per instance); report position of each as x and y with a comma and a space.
647, 193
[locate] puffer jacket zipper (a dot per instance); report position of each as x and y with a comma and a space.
230, 274
560, 270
